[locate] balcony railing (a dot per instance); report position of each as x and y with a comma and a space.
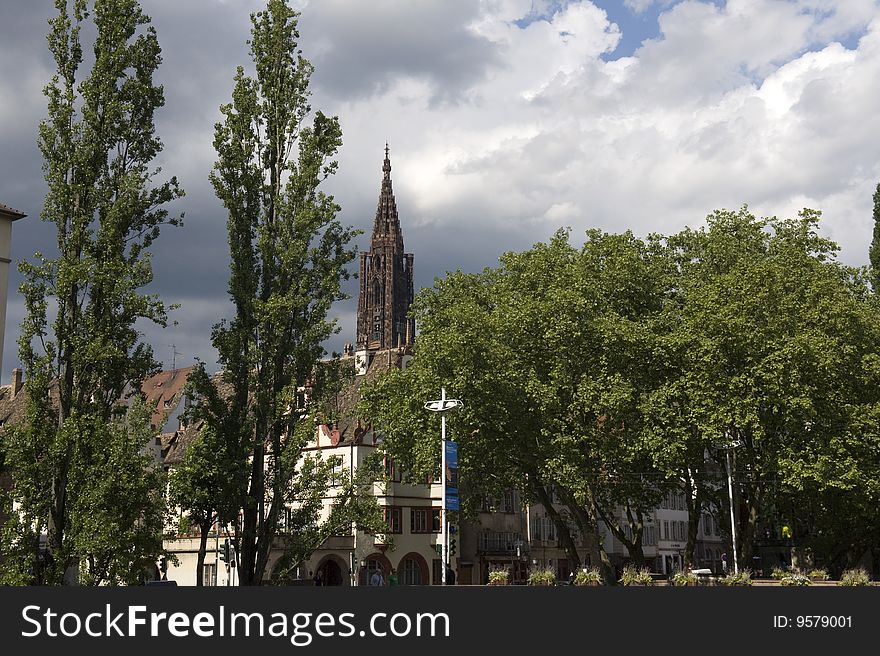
499, 542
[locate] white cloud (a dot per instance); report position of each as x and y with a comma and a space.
505, 123
728, 105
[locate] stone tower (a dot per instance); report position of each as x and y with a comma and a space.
386, 279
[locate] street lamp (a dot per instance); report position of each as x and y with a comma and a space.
443, 406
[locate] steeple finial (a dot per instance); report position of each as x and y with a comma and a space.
386, 166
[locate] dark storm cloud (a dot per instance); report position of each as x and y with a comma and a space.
362, 48
357, 48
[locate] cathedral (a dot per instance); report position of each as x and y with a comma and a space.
386, 285
386, 275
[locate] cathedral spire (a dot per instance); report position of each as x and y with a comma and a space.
387, 224
386, 278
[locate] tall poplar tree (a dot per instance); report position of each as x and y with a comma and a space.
79, 343
288, 258
874, 251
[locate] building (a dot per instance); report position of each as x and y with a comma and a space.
7, 217
385, 336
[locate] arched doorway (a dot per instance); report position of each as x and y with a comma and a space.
332, 571
413, 570
373, 562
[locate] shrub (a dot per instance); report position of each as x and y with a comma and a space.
795, 578
684, 578
855, 577
743, 577
818, 575
499, 577
633, 576
542, 577
591, 576
779, 573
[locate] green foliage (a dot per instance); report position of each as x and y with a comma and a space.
634, 576
98, 144
795, 578
203, 484
684, 578
743, 577
288, 256
874, 250
546, 576
499, 577
818, 575
551, 407
588, 576
855, 577
118, 513
610, 372
779, 573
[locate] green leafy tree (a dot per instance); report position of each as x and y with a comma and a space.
874, 251
119, 514
203, 487
772, 344
79, 343
288, 258
550, 353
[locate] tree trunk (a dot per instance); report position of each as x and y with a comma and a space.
204, 530
561, 527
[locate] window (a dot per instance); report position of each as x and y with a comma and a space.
410, 572
338, 475
391, 471
665, 530
393, 519
543, 529
507, 502
424, 520
437, 572
209, 574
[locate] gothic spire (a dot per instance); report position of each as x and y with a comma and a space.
387, 223
386, 276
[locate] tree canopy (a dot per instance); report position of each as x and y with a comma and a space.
289, 254
612, 372
79, 343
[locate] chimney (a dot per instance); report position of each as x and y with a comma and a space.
16, 382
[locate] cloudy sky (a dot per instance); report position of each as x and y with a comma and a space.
506, 119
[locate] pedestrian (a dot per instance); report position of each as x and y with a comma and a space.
392, 578
450, 576
724, 562
319, 578
377, 578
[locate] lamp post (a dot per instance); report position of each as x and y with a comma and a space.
728, 457
518, 544
443, 406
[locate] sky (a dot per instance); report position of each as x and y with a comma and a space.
506, 120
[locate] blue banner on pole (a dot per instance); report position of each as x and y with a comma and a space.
451, 473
